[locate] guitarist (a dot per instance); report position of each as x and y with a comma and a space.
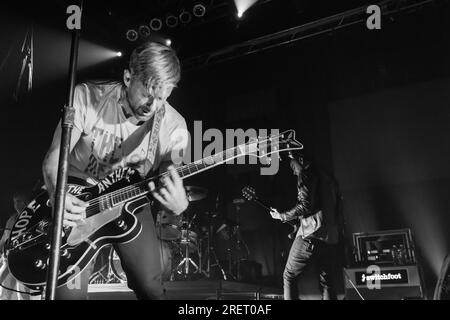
317, 211
113, 126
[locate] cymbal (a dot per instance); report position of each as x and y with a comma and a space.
196, 193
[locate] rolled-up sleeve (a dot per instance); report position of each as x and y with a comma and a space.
80, 106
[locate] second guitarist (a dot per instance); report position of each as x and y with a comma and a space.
317, 211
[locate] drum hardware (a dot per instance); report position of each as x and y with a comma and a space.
169, 226
223, 232
116, 266
98, 277
112, 268
178, 231
240, 244
190, 247
111, 271
210, 251
189, 241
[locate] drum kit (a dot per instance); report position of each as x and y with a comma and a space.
183, 235
188, 246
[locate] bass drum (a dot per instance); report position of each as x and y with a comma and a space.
166, 263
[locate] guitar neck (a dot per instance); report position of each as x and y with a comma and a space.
265, 206
262, 204
141, 188
210, 162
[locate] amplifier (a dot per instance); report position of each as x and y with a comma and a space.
384, 247
383, 283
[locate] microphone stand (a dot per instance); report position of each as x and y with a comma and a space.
61, 184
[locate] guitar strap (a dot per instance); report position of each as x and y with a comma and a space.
153, 140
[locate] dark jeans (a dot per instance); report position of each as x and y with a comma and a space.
141, 261
303, 253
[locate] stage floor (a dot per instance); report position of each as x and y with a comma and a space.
192, 290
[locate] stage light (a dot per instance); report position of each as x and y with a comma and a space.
132, 35
168, 42
199, 10
156, 24
171, 21
185, 17
56, 57
119, 54
144, 31
242, 6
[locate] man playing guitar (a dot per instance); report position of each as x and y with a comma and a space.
316, 209
127, 124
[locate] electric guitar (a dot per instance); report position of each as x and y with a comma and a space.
110, 214
249, 193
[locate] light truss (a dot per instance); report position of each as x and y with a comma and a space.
308, 30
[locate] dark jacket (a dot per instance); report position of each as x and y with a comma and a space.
318, 206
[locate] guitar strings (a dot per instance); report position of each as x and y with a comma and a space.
137, 186
188, 167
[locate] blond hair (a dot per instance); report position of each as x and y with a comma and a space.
155, 65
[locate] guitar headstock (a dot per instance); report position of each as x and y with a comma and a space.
262, 147
249, 193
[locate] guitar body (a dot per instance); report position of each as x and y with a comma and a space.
294, 225
29, 244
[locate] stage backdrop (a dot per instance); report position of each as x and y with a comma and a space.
391, 155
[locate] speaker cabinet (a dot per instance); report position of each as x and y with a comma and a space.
383, 283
